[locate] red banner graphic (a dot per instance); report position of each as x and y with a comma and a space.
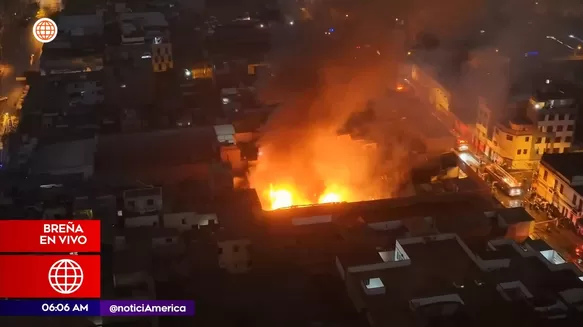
50, 276
50, 236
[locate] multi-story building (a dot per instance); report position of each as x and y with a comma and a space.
554, 110
560, 182
514, 143
547, 126
148, 33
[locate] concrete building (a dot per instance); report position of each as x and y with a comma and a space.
138, 47
560, 182
387, 285
67, 106
146, 200
234, 255
554, 109
148, 31
516, 144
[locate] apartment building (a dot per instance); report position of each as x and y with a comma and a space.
554, 110
515, 144
560, 182
146, 34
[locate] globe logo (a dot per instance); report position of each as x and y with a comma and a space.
66, 276
44, 30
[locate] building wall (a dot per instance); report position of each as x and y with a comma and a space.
188, 220
436, 93
562, 129
234, 255
162, 59
142, 221
143, 204
86, 92
556, 190
515, 149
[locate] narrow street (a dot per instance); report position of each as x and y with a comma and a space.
563, 240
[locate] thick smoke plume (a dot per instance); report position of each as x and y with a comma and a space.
319, 86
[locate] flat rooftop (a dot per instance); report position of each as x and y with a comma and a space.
444, 268
436, 268
392, 209
156, 149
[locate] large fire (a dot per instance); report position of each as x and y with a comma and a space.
285, 196
326, 168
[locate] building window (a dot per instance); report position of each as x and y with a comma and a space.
561, 117
549, 129
557, 150
249, 263
131, 204
235, 248
552, 117
548, 140
220, 250
546, 117
560, 128
509, 137
169, 240
537, 151
570, 128
526, 139
574, 199
558, 139
567, 149
580, 206
545, 175
568, 139
159, 51
561, 188
519, 151
539, 140
525, 151
150, 202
